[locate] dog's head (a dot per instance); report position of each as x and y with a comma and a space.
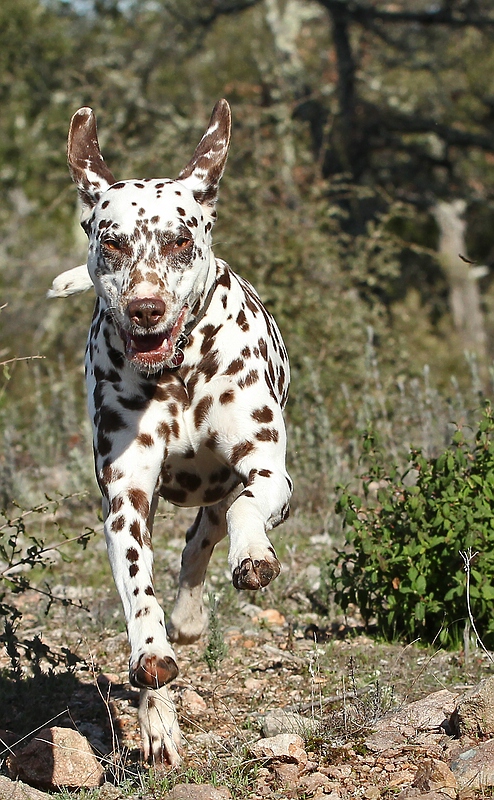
149, 240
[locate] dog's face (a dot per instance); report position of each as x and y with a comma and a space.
149, 241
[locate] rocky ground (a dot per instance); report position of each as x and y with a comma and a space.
292, 705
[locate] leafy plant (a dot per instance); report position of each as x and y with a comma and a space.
216, 648
402, 563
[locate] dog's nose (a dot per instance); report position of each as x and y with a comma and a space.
146, 312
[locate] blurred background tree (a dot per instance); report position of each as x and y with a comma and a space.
358, 198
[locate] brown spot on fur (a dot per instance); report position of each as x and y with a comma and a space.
110, 474
212, 441
234, 366
139, 501
214, 495
136, 403
263, 414
202, 409
213, 516
240, 451
103, 444
116, 504
188, 480
163, 431
220, 475
267, 435
174, 495
118, 523
250, 379
135, 532
227, 397
133, 570
145, 440
265, 473
224, 279
149, 591
194, 527
132, 554
242, 321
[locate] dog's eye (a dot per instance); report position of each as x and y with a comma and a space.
181, 242
111, 245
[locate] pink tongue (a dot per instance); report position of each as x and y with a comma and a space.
146, 344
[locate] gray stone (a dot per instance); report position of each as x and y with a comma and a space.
474, 768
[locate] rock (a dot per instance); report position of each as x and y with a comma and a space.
193, 703
474, 768
417, 794
383, 740
110, 792
280, 721
16, 790
270, 617
57, 757
286, 774
287, 747
435, 776
311, 783
372, 793
474, 712
432, 712
198, 791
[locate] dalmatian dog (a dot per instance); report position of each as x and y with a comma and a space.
187, 376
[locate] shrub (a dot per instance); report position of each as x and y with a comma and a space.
402, 563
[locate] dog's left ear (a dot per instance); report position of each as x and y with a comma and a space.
87, 167
203, 172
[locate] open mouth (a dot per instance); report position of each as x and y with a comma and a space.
150, 352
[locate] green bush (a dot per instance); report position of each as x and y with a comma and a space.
401, 565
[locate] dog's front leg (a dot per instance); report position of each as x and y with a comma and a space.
128, 483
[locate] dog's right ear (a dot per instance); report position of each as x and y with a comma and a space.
87, 167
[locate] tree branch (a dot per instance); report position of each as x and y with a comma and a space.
365, 14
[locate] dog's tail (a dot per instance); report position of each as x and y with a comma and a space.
73, 281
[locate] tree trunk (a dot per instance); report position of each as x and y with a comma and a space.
464, 295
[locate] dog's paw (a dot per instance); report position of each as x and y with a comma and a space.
151, 672
255, 573
161, 738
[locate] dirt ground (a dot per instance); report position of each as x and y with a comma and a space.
279, 652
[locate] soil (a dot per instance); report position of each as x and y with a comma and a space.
280, 652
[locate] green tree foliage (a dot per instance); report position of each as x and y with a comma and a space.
402, 565
337, 244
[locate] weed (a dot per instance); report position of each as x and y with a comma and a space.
216, 648
402, 564
20, 553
